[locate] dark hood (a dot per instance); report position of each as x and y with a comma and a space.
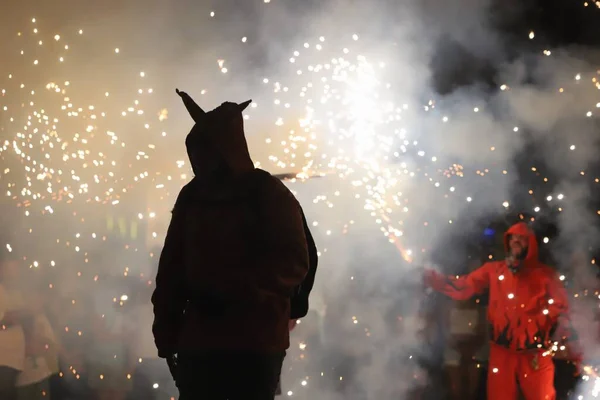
521, 228
218, 133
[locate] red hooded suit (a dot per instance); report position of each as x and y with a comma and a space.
524, 308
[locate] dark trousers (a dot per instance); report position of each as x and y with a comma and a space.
8, 381
228, 375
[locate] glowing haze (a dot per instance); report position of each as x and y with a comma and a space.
91, 127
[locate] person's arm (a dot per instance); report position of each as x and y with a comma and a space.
282, 253
557, 311
459, 288
551, 305
558, 300
169, 297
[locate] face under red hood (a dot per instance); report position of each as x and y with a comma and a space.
521, 228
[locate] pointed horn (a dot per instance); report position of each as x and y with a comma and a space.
194, 109
244, 105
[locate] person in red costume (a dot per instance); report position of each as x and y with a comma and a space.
526, 301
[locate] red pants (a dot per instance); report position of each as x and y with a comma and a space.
508, 372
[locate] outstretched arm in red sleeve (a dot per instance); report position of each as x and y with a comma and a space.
169, 298
459, 288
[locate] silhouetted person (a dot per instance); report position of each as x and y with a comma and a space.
234, 252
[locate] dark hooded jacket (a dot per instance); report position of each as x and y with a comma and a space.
524, 306
234, 251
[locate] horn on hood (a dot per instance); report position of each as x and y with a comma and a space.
244, 105
194, 109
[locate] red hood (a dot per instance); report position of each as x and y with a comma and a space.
521, 228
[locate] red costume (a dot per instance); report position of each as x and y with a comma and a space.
525, 305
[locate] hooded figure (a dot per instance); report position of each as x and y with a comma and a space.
526, 301
234, 252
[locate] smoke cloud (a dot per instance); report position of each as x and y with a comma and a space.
402, 160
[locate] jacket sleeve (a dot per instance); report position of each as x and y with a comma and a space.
558, 314
169, 298
459, 288
555, 310
282, 254
551, 304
